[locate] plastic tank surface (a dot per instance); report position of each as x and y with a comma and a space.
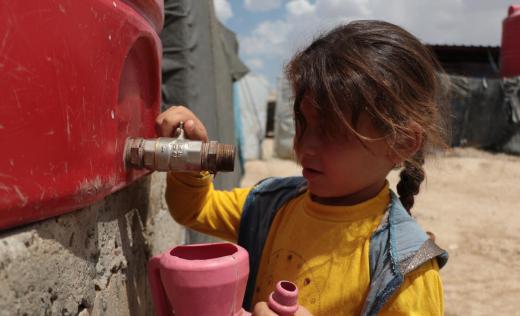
510, 49
77, 78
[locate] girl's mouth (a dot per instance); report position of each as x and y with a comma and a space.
309, 173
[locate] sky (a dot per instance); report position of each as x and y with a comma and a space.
271, 31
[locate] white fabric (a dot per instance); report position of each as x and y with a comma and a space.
284, 121
253, 91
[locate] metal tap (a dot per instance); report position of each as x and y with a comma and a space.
179, 154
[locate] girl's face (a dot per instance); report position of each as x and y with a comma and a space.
344, 171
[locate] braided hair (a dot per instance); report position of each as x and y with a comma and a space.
411, 178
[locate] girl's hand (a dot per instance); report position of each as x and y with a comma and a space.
168, 121
262, 309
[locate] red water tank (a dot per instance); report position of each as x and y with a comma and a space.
510, 50
76, 79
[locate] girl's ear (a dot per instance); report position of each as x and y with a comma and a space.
408, 146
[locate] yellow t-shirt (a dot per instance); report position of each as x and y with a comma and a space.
323, 249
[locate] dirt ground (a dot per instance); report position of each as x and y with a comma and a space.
471, 201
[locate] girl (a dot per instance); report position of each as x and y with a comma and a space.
365, 103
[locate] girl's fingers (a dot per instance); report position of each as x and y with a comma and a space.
168, 121
165, 123
262, 309
168, 126
302, 311
194, 129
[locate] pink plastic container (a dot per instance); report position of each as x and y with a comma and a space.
209, 279
203, 279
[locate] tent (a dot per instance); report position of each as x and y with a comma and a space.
251, 94
284, 120
485, 113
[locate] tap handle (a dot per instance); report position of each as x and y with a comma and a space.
180, 131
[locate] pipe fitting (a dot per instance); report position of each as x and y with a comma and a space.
178, 154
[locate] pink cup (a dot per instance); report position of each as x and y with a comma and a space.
201, 279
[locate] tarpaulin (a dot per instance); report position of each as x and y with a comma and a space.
200, 64
485, 112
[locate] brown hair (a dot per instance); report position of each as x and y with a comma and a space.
383, 70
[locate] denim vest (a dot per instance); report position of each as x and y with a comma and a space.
397, 247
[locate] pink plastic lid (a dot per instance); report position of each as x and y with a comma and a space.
284, 299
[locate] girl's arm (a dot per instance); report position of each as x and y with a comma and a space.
191, 199
194, 202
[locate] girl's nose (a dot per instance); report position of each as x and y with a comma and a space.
309, 150
310, 144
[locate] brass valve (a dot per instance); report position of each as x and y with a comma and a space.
179, 154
